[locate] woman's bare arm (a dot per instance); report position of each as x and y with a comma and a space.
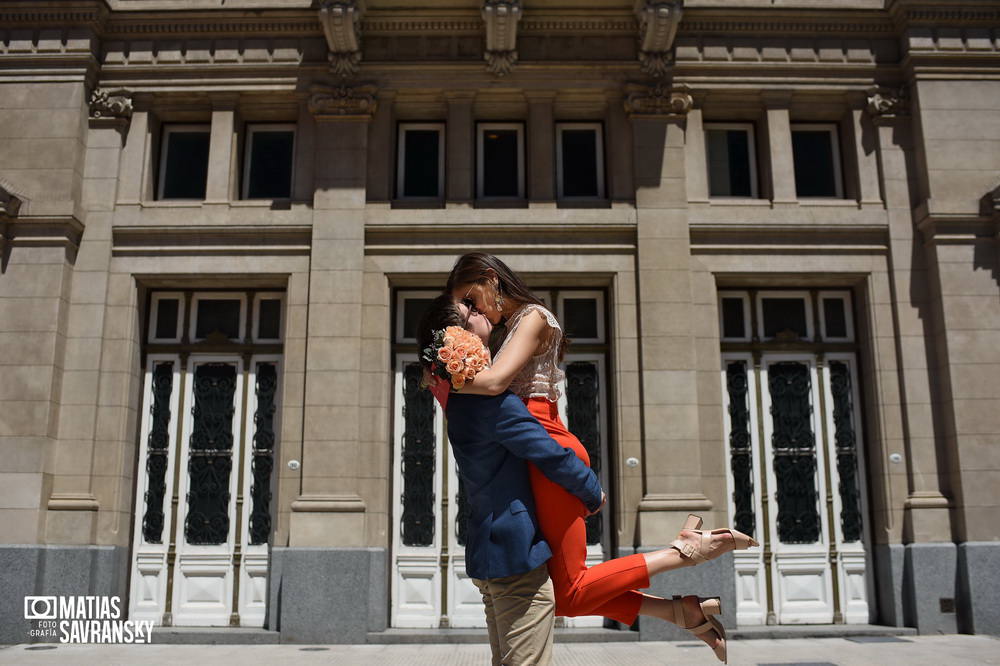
523, 344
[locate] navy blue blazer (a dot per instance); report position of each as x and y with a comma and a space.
492, 437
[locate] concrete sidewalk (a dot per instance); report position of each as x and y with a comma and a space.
911, 651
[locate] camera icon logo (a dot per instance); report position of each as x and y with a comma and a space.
39, 608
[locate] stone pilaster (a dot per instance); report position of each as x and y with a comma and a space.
541, 149
925, 509
779, 135
460, 175
330, 512
667, 354
84, 478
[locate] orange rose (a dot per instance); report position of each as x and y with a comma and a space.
445, 354
454, 366
458, 381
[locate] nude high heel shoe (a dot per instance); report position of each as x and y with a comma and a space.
709, 609
704, 547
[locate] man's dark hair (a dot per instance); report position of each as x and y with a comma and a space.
441, 313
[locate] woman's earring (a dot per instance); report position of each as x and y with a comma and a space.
497, 298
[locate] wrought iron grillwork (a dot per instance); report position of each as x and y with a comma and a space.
417, 498
210, 456
847, 456
794, 445
583, 413
158, 452
740, 454
262, 462
462, 513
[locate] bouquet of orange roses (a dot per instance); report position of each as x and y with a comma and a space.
456, 355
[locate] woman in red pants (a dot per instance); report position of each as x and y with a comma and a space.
527, 362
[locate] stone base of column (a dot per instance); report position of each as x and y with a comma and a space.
929, 587
324, 520
328, 595
888, 567
979, 587
41, 570
711, 579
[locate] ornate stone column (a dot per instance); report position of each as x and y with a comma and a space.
671, 461
779, 136
329, 512
82, 481
669, 400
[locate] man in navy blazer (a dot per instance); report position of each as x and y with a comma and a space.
492, 437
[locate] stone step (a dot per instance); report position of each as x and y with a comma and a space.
215, 636
588, 635
819, 631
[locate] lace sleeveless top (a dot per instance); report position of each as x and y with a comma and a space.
541, 375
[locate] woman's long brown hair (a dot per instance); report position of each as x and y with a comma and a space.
473, 267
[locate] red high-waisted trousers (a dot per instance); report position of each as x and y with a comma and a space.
607, 589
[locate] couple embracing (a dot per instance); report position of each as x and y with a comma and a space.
528, 482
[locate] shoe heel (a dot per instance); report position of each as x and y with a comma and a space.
711, 606
693, 522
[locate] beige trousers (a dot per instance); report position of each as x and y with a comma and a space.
520, 617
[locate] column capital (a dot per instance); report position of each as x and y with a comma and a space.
540, 96
885, 105
111, 108
657, 101
459, 96
343, 102
776, 99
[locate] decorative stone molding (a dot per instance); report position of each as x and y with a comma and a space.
657, 28
501, 17
10, 203
643, 101
329, 504
110, 104
342, 102
886, 103
341, 21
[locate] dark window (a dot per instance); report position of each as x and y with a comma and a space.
185, 168
834, 318
270, 173
269, 319
413, 309
218, 315
733, 319
729, 163
166, 317
579, 163
501, 176
580, 316
421, 166
784, 314
815, 174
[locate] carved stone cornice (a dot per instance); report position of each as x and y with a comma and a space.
886, 104
343, 102
341, 20
658, 101
110, 105
657, 28
501, 17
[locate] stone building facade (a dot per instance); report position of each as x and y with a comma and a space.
769, 226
